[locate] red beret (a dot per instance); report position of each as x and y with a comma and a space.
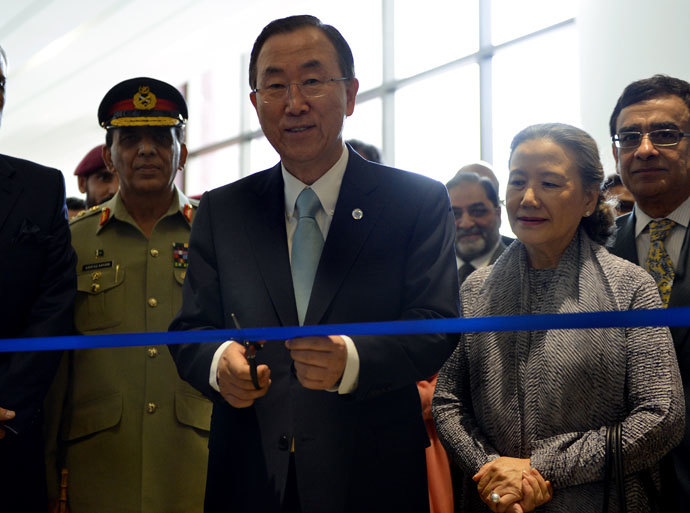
92, 162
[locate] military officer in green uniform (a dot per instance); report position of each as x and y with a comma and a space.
132, 435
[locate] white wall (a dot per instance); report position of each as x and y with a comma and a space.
622, 41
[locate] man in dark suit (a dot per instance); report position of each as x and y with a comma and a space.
38, 285
650, 126
336, 423
477, 212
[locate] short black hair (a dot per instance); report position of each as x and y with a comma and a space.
646, 89
3, 54
368, 151
293, 23
462, 177
612, 180
75, 203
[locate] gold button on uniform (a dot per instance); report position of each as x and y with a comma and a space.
153, 302
152, 352
154, 253
95, 287
151, 408
97, 275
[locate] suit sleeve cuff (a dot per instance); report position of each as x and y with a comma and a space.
213, 376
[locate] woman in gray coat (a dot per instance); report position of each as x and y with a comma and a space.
524, 414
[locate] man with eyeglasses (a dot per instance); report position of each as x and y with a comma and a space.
477, 219
329, 423
650, 129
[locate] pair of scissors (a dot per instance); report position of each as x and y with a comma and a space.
252, 348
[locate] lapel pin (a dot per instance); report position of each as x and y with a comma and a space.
357, 214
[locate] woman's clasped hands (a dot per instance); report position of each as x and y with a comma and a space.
511, 485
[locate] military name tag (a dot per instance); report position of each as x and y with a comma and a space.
180, 254
97, 265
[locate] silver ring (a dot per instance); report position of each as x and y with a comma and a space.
495, 498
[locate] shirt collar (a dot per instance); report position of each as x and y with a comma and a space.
484, 259
680, 215
117, 210
327, 188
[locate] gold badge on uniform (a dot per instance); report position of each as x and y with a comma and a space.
187, 212
105, 215
144, 99
180, 254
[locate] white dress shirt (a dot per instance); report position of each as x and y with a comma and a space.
327, 188
673, 242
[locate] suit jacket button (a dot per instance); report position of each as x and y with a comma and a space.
151, 408
284, 442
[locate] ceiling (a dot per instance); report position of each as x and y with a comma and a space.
64, 55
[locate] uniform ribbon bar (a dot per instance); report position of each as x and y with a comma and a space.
671, 317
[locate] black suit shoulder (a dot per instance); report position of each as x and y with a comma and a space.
26, 171
39, 259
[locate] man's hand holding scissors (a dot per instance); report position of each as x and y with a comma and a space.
239, 383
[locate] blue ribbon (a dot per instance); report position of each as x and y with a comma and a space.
671, 317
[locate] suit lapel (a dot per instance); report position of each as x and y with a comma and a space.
680, 292
624, 245
346, 235
267, 235
10, 189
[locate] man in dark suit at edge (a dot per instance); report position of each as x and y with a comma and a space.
38, 284
336, 424
650, 126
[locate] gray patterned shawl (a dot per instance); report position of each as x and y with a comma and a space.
549, 395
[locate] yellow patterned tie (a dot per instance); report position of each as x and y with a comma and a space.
659, 263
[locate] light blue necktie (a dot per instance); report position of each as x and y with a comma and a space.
307, 244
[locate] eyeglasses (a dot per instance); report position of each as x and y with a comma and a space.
659, 138
311, 88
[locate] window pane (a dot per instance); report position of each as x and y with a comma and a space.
261, 155
215, 116
365, 123
434, 32
212, 170
360, 24
536, 81
511, 19
437, 123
